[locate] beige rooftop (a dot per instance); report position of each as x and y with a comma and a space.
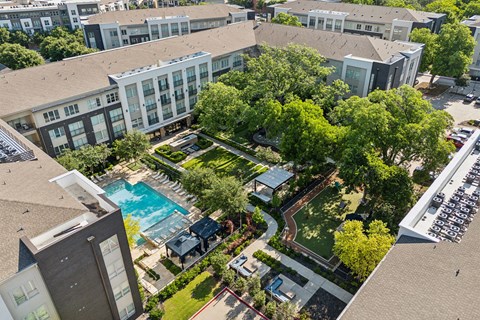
332, 45
131, 17
29, 203
362, 13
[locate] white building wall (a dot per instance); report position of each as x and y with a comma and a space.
362, 64
41, 297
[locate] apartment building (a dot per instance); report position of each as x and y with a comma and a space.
363, 62
32, 16
387, 23
64, 249
474, 24
153, 86
432, 270
116, 29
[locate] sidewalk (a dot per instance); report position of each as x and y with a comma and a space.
316, 281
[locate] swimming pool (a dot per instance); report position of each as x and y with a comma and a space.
142, 201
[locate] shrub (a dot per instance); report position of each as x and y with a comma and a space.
165, 152
270, 309
219, 262
156, 314
152, 274
268, 155
170, 171
254, 285
151, 303
259, 299
203, 143
229, 277
240, 286
172, 267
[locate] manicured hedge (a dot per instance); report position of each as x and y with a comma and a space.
172, 267
231, 143
157, 164
165, 152
203, 143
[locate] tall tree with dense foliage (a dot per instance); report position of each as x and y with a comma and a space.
228, 195
472, 9
220, 107
61, 44
429, 39
133, 145
85, 159
4, 36
15, 56
359, 250
197, 180
20, 37
287, 19
455, 47
132, 228
449, 7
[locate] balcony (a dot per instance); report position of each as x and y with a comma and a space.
167, 115
25, 128
180, 96
177, 83
148, 92
164, 87
77, 132
204, 74
237, 63
117, 118
152, 121
165, 100
191, 78
150, 107
192, 92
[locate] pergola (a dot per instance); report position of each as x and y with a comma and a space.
273, 180
183, 244
205, 228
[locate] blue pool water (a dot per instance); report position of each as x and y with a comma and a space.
143, 202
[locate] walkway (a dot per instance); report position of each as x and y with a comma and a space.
315, 281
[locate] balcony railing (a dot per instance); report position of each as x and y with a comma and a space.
204, 74
164, 87
152, 121
180, 96
148, 92
165, 100
150, 107
181, 110
191, 78
117, 118
177, 83
237, 63
192, 92
25, 127
167, 115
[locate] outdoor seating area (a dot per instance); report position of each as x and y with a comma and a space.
12, 150
182, 246
165, 229
206, 229
280, 289
176, 186
240, 266
455, 216
266, 184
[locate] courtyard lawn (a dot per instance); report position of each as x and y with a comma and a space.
183, 304
317, 220
225, 163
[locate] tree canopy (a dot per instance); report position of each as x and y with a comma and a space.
61, 44
196, 181
15, 56
220, 107
133, 145
132, 228
359, 250
448, 7
228, 195
287, 19
429, 39
85, 159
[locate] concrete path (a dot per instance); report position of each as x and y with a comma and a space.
315, 281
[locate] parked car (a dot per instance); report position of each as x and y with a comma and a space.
467, 131
477, 101
462, 136
457, 142
469, 98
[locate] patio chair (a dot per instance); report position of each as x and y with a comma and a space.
99, 178
155, 175
93, 179
163, 180
166, 181
193, 200
177, 187
172, 230
182, 193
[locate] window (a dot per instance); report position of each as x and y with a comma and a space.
321, 22
224, 63
376, 28
237, 60
37, 24
121, 290
312, 22
165, 99
124, 32
147, 87
181, 107
112, 97
99, 118
116, 115
153, 118
338, 25
329, 24
352, 74
47, 23
40, 314
78, 143
191, 74
133, 107
71, 110
118, 130
131, 92
177, 79
114, 33
359, 26
59, 149
73, 12
353, 89
51, 116
368, 27
76, 128
75, 20
127, 312
125, 41
164, 29
101, 136
137, 123
94, 103
56, 133
179, 94
174, 27
24, 292
150, 103
184, 27
26, 24
167, 112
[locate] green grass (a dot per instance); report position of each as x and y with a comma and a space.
134, 166
240, 136
224, 163
317, 221
172, 267
183, 304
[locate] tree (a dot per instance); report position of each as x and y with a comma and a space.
14, 56
285, 311
448, 7
4, 36
85, 159
57, 49
454, 51
266, 154
228, 195
69, 160
20, 37
471, 9
429, 39
360, 251
257, 216
133, 145
287, 19
219, 263
196, 181
281, 72
132, 228
240, 286
401, 4
229, 277
270, 309
254, 285
259, 299
220, 107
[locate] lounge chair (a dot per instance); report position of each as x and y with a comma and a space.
178, 227
93, 179
171, 230
193, 200
99, 178
166, 181
155, 175
182, 193
163, 180
177, 187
